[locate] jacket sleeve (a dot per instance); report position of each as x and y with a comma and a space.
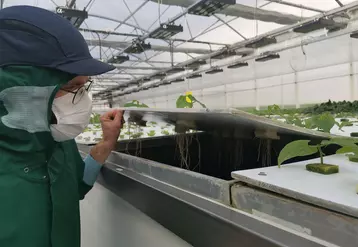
90, 172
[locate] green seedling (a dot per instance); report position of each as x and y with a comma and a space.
136, 135
188, 101
151, 133
165, 132
135, 103
303, 148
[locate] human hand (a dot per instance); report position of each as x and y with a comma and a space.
112, 123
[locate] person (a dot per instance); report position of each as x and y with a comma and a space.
45, 65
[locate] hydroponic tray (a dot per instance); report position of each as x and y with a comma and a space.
336, 192
216, 119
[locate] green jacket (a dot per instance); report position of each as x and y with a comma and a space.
40, 180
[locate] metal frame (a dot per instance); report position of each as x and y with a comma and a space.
173, 43
196, 218
276, 32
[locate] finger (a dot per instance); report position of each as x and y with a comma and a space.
119, 117
109, 115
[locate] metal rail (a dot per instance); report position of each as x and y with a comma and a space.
199, 220
275, 32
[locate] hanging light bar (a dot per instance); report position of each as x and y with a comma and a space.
175, 70
177, 80
238, 65
209, 7
118, 59
264, 41
165, 31
354, 35
75, 16
317, 24
158, 76
194, 76
214, 71
268, 57
196, 64
166, 83
224, 54
138, 47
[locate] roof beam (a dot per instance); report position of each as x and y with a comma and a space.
137, 36
139, 68
71, 3
296, 5
339, 3
123, 45
272, 33
244, 11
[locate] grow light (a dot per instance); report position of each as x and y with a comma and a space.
158, 76
267, 57
196, 64
209, 7
118, 59
175, 70
214, 71
264, 41
318, 24
194, 76
177, 80
131, 83
138, 47
224, 54
354, 35
238, 65
75, 16
166, 31
166, 82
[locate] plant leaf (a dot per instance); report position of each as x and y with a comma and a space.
324, 122
182, 103
296, 149
344, 150
342, 141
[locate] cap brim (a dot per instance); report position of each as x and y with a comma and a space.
87, 67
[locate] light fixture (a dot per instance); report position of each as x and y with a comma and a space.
165, 31
158, 76
317, 24
238, 65
196, 64
224, 54
209, 7
75, 16
133, 83
118, 59
268, 57
177, 80
214, 71
166, 82
138, 47
264, 41
194, 76
175, 70
354, 35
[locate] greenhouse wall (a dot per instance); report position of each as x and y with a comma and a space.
304, 75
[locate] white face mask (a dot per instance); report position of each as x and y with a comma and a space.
72, 119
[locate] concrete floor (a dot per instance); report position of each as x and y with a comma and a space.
109, 221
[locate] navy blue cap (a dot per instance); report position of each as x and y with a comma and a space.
38, 37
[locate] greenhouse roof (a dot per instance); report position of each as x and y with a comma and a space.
146, 39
